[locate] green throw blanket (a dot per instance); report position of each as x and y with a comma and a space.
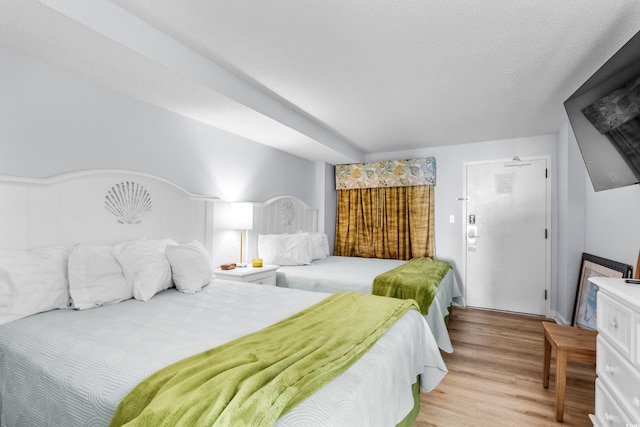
256, 379
416, 279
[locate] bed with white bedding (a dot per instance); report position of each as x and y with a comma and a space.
72, 367
339, 274
279, 226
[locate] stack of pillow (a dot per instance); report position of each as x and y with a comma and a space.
293, 249
88, 276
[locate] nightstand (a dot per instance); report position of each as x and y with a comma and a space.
265, 275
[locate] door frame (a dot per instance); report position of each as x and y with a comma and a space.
550, 233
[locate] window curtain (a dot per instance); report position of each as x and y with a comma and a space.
387, 211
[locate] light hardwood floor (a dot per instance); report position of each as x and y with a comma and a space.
495, 376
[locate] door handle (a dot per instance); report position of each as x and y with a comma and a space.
472, 234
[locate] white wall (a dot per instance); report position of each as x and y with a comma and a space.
600, 223
611, 227
327, 201
53, 122
571, 194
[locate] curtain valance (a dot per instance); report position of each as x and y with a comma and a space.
387, 173
620, 106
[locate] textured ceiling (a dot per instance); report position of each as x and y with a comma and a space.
335, 80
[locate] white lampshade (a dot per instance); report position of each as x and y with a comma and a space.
241, 216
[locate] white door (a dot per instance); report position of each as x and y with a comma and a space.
507, 250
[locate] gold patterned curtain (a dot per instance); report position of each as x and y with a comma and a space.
395, 222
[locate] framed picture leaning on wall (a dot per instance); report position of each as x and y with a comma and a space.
584, 312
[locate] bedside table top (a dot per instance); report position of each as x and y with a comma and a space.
245, 271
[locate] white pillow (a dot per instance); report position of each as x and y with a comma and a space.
145, 266
32, 281
319, 245
190, 266
285, 249
326, 245
95, 277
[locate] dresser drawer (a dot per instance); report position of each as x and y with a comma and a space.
608, 412
622, 379
615, 322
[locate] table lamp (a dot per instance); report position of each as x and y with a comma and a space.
241, 218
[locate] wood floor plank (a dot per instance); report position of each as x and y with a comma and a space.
495, 376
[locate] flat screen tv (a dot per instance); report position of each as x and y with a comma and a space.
605, 117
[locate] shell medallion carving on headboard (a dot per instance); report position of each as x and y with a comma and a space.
287, 212
129, 202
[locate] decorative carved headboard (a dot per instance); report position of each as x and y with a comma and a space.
281, 215
100, 207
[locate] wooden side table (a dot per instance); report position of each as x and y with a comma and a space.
265, 275
569, 343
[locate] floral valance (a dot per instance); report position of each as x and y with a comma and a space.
620, 106
387, 173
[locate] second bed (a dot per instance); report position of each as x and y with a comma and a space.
289, 215
339, 274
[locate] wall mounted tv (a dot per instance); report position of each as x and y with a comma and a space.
605, 116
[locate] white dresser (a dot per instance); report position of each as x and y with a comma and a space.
617, 354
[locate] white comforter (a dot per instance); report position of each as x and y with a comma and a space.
71, 368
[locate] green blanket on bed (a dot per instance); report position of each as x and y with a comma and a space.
256, 379
416, 279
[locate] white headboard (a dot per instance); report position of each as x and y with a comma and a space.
100, 207
281, 215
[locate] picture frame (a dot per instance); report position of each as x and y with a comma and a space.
585, 309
